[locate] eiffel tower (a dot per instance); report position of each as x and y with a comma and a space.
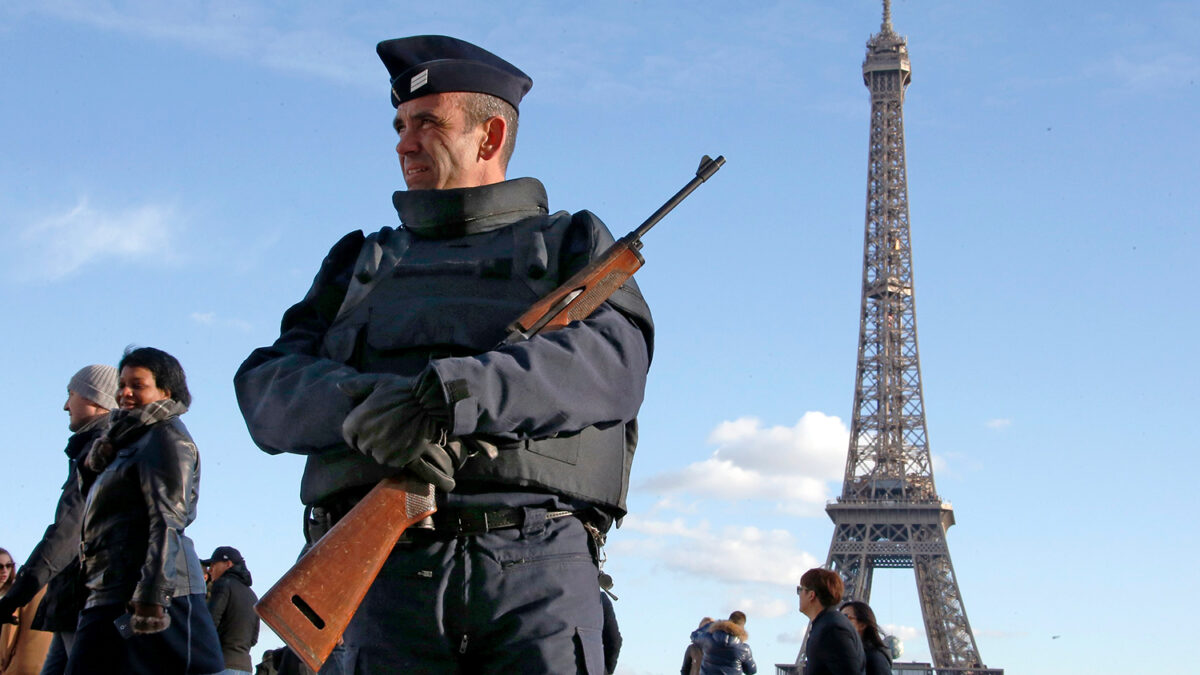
889, 514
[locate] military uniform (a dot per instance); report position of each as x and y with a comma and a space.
552, 420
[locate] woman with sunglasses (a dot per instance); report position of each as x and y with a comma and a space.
22, 649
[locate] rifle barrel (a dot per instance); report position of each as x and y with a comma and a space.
708, 167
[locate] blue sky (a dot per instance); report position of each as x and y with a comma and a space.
171, 174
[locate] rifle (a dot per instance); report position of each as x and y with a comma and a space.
311, 605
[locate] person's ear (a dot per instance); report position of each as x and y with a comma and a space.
495, 131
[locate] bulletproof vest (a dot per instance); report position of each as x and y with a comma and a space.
415, 299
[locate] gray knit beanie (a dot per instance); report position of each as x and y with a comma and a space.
97, 384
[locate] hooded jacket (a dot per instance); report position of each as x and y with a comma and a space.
725, 649
231, 604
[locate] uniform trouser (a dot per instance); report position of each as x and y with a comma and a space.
56, 658
516, 600
189, 646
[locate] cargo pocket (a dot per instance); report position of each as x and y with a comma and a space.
589, 651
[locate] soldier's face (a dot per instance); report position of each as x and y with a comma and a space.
437, 149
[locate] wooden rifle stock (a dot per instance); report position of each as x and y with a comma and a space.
311, 605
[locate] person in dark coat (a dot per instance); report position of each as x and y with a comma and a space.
724, 647
693, 656
833, 646
862, 617
231, 603
399, 361
145, 613
91, 394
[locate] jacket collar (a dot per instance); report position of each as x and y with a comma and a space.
442, 214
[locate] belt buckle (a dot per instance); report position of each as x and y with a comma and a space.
470, 522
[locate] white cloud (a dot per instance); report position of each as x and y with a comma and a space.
1155, 71
905, 633
730, 554
211, 319
60, 246
791, 466
998, 423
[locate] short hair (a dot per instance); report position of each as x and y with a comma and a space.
479, 108
869, 629
826, 584
705, 621
167, 372
738, 617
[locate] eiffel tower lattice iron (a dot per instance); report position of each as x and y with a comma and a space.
889, 514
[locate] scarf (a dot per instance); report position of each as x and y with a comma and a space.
126, 426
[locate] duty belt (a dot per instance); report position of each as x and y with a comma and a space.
468, 521
447, 521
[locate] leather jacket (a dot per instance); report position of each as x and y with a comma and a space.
133, 546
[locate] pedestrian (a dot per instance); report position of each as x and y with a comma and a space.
693, 656
231, 603
391, 362
833, 646
54, 561
22, 648
724, 646
878, 654
145, 611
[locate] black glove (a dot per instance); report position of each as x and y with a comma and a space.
397, 426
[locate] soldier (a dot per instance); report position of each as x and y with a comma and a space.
391, 362
91, 394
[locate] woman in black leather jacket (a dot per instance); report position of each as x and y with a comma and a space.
145, 611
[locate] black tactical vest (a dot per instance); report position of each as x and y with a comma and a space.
415, 299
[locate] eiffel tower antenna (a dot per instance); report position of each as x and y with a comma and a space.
889, 514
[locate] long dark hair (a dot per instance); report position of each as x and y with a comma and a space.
12, 576
168, 374
866, 622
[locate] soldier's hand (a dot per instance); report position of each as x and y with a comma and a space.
390, 424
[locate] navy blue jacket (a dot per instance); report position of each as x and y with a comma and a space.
561, 407
834, 647
879, 661
725, 649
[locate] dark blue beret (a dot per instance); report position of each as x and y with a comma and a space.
436, 64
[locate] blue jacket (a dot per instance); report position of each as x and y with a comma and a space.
725, 649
